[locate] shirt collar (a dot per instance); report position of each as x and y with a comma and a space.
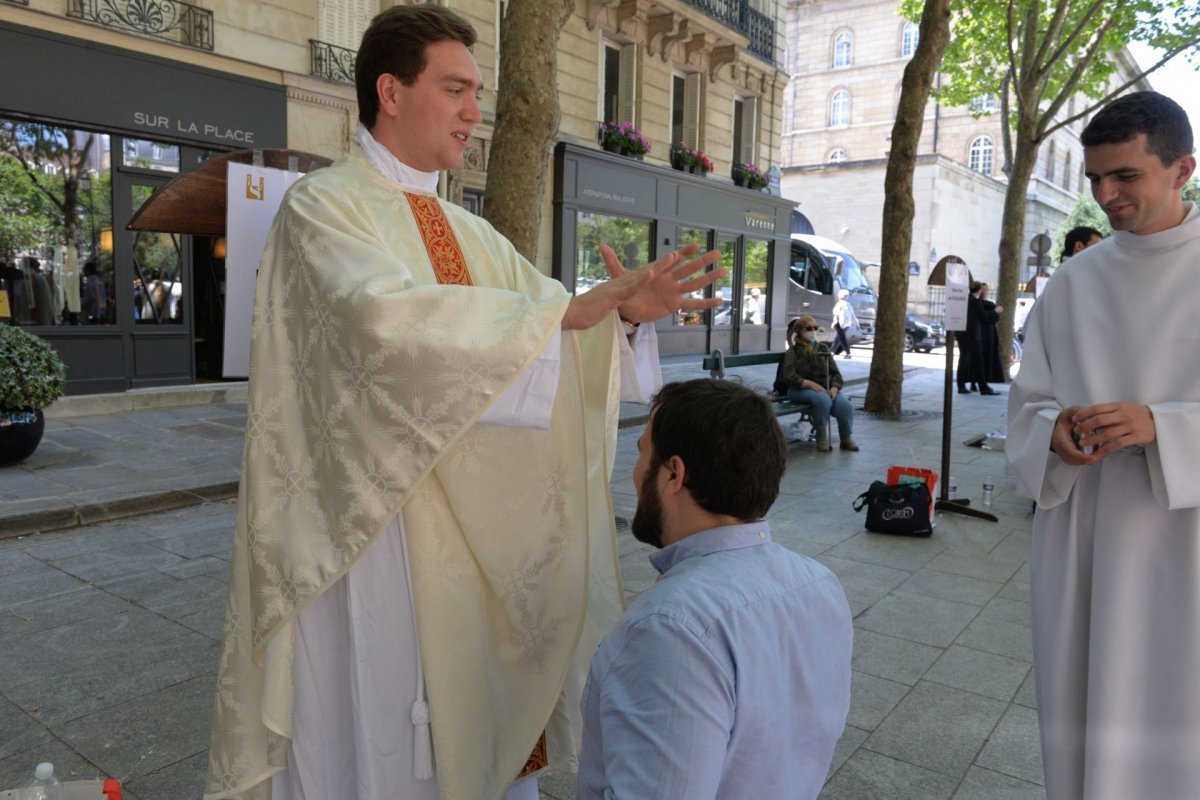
392, 168
713, 540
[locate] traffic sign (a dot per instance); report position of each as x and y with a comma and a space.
1038, 261
1040, 244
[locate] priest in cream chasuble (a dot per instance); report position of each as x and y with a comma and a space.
425, 403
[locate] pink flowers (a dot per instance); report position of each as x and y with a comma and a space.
624, 138
690, 159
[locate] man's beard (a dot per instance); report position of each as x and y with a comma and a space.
647, 525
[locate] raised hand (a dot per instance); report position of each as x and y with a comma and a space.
671, 288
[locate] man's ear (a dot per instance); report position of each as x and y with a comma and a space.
1187, 165
676, 474
387, 89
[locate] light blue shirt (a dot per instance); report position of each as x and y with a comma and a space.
728, 678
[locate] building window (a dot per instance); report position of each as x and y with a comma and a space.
1067, 174
745, 129
839, 109
983, 104
343, 22
619, 87
685, 108
842, 45
837, 155
909, 38
131, 151
1050, 159
980, 159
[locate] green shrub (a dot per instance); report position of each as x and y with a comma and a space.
31, 373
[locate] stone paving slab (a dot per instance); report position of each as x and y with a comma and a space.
118, 623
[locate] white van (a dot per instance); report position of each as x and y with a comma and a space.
819, 268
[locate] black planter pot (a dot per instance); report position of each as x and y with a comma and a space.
20, 434
612, 147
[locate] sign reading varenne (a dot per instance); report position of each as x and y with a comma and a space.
759, 221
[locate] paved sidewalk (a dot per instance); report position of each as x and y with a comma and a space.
109, 632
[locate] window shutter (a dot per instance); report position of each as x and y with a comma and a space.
749, 131
691, 108
628, 84
343, 22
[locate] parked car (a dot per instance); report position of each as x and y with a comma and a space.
820, 267
921, 334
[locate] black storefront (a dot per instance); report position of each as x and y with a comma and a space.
646, 211
96, 133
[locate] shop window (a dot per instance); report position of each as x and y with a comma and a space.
145, 154
157, 289
56, 263
630, 238
698, 236
756, 302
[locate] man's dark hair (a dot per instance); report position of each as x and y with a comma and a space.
1165, 123
1079, 235
729, 440
395, 44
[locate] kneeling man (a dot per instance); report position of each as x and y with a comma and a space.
730, 676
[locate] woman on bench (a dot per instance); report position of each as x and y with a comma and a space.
812, 377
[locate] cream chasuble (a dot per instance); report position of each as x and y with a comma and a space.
1115, 566
368, 381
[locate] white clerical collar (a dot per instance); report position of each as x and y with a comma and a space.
392, 168
1193, 212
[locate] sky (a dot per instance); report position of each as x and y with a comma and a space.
1177, 79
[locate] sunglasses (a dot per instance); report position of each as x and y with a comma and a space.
811, 328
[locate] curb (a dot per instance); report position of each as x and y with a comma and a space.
78, 516
83, 514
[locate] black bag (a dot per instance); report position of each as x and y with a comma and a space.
901, 508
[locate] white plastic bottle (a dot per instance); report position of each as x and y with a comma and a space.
44, 785
952, 489
987, 490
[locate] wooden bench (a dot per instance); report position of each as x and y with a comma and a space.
717, 362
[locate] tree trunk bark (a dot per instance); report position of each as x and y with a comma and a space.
1012, 233
527, 116
884, 387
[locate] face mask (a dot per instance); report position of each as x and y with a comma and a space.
809, 336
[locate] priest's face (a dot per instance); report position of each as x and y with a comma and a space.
647, 526
429, 123
1133, 187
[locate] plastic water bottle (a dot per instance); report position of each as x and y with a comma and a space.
987, 490
44, 785
952, 489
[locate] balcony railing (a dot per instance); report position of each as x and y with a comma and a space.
331, 62
738, 15
172, 20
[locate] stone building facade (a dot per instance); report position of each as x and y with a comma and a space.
846, 62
